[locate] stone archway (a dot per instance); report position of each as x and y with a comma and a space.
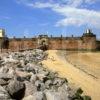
43, 42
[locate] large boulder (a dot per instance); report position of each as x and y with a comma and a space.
38, 96
40, 76
40, 85
48, 84
22, 76
29, 68
30, 97
30, 88
35, 96
16, 89
51, 95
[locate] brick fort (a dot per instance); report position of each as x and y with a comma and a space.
86, 42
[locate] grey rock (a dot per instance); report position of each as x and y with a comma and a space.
33, 78
59, 81
50, 95
5, 76
29, 68
35, 96
23, 75
4, 94
16, 89
48, 84
30, 97
40, 85
64, 88
38, 96
4, 69
3, 82
30, 88
40, 76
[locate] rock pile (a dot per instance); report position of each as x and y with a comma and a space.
23, 77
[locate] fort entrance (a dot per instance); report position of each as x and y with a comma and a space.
43, 42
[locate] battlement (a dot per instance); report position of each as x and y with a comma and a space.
88, 33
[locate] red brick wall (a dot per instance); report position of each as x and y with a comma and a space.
23, 44
89, 43
54, 43
63, 44
73, 43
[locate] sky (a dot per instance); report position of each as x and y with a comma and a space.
30, 18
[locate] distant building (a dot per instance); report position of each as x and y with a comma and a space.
4, 41
2, 33
86, 42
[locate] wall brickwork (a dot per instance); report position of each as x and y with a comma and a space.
85, 42
55, 43
22, 44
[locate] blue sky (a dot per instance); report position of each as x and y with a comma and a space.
53, 17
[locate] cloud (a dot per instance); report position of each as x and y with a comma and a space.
78, 17
70, 21
41, 5
79, 3
71, 12
72, 3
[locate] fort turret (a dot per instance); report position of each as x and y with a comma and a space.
89, 38
88, 33
4, 41
43, 42
2, 35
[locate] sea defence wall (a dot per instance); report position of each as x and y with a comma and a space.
86, 42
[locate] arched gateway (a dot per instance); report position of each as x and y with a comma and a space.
43, 42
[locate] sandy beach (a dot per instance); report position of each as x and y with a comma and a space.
81, 69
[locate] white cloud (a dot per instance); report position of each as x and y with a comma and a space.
73, 16
72, 13
91, 1
41, 5
70, 21
75, 3
78, 17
